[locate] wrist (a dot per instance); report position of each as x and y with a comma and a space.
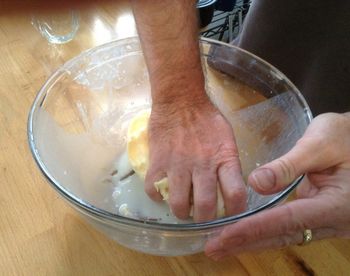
183, 108
178, 87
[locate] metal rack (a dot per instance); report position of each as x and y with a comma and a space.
225, 26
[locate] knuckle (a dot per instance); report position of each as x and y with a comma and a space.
322, 145
287, 168
291, 223
256, 231
236, 193
319, 142
223, 152
287, 226
179, 206
284, 241
227, 156
204, 167
149, 184
149, 187
151, 191
205, 205
232, 163
235, 200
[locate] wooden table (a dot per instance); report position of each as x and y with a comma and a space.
39, 233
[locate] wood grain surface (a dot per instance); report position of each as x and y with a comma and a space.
39, 233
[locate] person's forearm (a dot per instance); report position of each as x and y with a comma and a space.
191, 145
168, 31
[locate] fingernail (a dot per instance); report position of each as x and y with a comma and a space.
264, 179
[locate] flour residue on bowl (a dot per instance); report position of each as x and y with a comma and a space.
93, 165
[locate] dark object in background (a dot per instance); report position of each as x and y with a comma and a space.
225, 5
206, 11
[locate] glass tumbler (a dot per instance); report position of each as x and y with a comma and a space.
57, 28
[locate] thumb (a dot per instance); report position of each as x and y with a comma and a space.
310, 154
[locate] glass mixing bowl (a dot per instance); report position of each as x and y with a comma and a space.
78, 121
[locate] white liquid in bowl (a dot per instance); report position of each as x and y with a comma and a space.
132, 201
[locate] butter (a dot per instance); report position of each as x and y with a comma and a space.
138, 155
137, 143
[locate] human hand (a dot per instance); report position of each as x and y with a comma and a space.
193, 145
322, 203
189, 140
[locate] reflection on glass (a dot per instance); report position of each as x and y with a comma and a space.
101, 32
125, 26
57, 28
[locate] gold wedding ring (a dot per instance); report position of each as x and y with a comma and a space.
307, 237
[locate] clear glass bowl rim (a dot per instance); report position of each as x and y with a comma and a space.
109, 217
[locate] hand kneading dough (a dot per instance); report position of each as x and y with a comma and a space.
138, 154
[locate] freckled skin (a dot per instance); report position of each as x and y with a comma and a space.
201, 158
190, 141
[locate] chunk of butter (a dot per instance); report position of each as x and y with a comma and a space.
137, 143
138, 154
